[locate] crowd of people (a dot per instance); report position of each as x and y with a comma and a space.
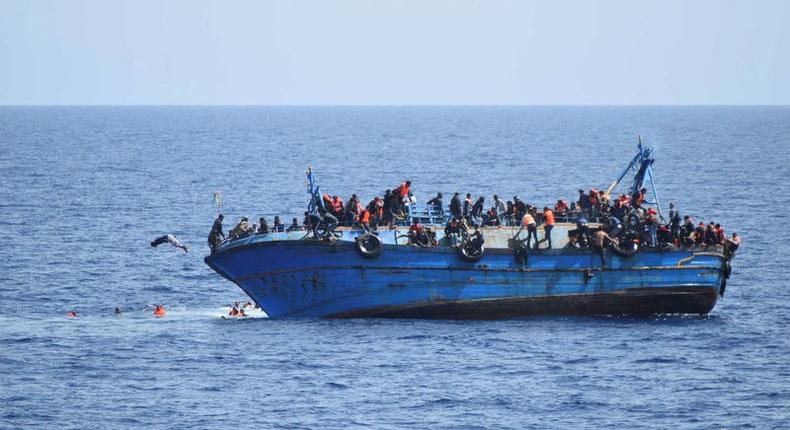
625, 217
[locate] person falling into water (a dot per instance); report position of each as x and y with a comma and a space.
169, 238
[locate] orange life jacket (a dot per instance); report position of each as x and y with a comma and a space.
404, 190
549, 217
527, 220
364, 216
159, 311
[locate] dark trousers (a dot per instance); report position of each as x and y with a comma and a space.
532, 231
547, 233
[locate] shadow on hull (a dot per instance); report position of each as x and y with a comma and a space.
635, 302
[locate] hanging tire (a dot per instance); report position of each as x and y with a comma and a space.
522, 254
471, 251
369, 245
626, 252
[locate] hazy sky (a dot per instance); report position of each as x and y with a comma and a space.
394, 52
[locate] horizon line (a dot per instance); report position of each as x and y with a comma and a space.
391, 105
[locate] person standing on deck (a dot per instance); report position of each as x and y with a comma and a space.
548, 224
216, 236
674, 220
455, 206
501, 208
477, 211
528, 222
584, 204
467, 207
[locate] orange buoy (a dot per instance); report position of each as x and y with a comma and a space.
159, 311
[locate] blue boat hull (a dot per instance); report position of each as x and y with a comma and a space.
298, 278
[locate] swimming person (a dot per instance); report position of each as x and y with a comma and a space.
169, 238
159, 311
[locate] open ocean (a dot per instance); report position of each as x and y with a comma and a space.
83, 190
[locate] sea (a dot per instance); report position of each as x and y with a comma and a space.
84, 190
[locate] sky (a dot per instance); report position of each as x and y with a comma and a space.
368, 52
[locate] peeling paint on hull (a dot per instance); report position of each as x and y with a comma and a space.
320, 280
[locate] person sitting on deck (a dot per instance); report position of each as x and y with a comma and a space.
242, 229
294, 225
353, 209
720, 236
364, 220
710, 235
519, 209
452, 231
216, 236
686, 232
337, 207
699, 234
417, 235
492, 218
561, 208
436, 203
278, 226
263, 227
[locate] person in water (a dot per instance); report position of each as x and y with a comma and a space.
118, 311
169, 238
159, 311
71, 314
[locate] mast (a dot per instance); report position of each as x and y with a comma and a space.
643, 163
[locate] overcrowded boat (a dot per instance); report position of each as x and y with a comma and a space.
602, 254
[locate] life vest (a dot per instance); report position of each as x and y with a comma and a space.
561, 206
337, 205
403, 190
549, 217
364, 216
527, 220
159, 311
71, 314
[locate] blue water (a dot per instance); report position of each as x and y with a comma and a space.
84, 190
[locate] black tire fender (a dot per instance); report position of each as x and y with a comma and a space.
368, 245
624, 252
727, 270
470, 251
